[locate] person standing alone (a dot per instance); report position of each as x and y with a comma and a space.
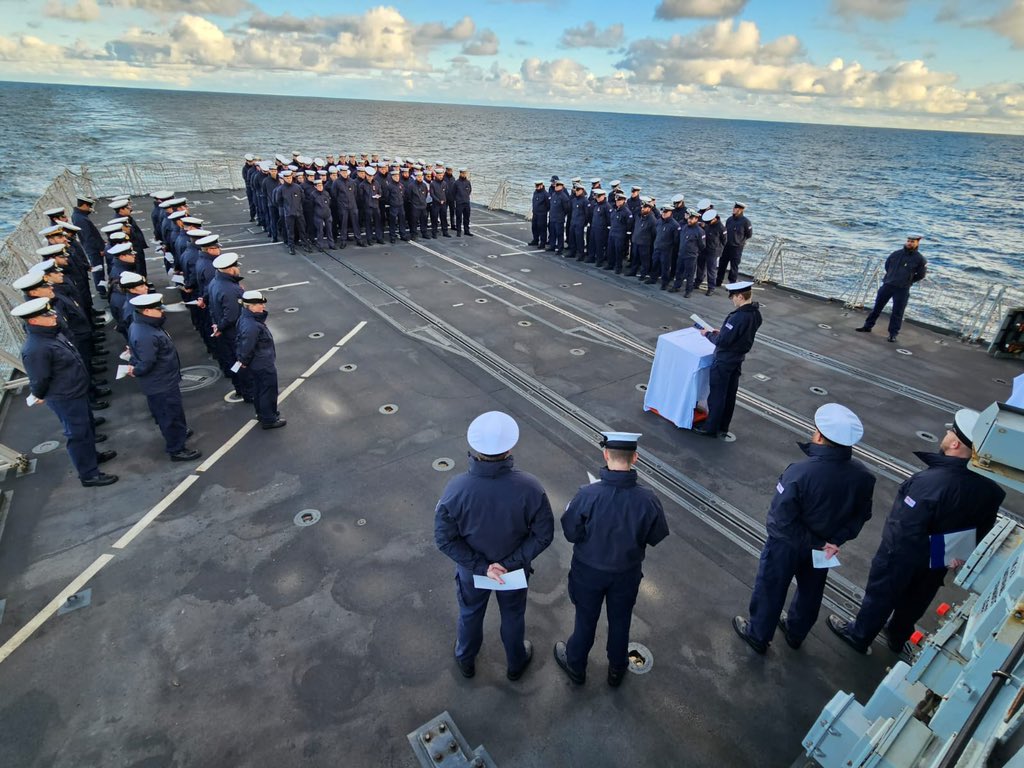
903, 268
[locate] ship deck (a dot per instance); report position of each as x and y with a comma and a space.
221, 633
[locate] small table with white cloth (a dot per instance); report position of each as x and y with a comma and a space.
679, 375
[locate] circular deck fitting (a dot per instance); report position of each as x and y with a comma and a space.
307, 517
728, 437
610, 304
1000, 381
198, 376
927, 436
526, 269
446, 282
232, 397
825, 326
268, 290
444, 464
524, 323
819, 391
492, 256
348, 367
666, 328
316, 335
252, 271
46, 447
290, 310
577, 351
641, 387
563, 285
906, 352
480, 301
640, 658
388, 408
361, 521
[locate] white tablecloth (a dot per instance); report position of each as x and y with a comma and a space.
679, 375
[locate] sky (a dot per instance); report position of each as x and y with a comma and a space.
928, 64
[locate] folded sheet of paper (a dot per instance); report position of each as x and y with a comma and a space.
591, 479
178, 279
122, 371
820, 561
126, 356
31, 400
97, 268
236, 367
513, 580
698, 321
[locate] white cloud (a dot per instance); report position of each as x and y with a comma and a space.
698, 9
214, 7
589, 36
1009, 23
484, 44
28, 48
77, 10
882, 10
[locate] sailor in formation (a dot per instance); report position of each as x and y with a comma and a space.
257, 358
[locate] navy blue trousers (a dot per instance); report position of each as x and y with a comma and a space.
76, 418
707, 264
540, 229
728, 264
473, 607
397, 221
780, 562
663, 265
900, 297
417, 220
640, 259
616, 250
684, 272
576, 244
169, 413
323, 228
438, 218
556, 233
725, 381
263, 391
589, 588
462, 211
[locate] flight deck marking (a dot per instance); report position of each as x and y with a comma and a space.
100, 562
286, 285
258, 245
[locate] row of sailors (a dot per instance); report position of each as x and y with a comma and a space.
325, 204
64, 336
681, 247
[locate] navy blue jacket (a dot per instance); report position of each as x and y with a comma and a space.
416, 194
321, 204
904, 267
154, 217
224, 293
559, 204
254, 344
154, 356
634, 203
89, 237
736, 336
666, 237
580, 211
621, 221
600, 218
138, 239
187, 264
611, 522
269, 185
345, 193
823, 499
691, 242
462, 189
541, 204
439, 191
394, 194
644, 228
738, 231
493, 514
203, 272
945, 498
291, 199
70, 313
55, 369
714, 234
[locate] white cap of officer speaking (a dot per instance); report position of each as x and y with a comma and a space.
492, 433
31, 308
839, 424
225, 260
147, 300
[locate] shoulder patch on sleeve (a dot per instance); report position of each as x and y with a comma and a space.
779, 487
909, 502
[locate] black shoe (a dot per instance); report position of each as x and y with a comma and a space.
650, 281
891, 339
101, 392
274, 424
608, 268
457, 233
863, 329
513, 676
550, 248
447, 235
468, 233
104, 456
687, 294
99, 405
740, 624
466, 666
664, 286
98, 421
291, 251
791, 641
98, 480
98, 438
380, 241
186, 454
673, 289
99, 382
710, 292
579, 678
615, 675
703, 432
841, 629
189, 432
532, 242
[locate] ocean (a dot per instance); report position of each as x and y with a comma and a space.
851, 192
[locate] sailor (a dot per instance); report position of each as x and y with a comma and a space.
621, 226
559, 210
679, 211
666, 246
732, 343
58, 377
168, 228
416, 193
715, 239
89, 236
610, 524
154, 362
642, 240
932, 509
156, 214
371, 197
346, 190
254, 350
903, 268
202, 273
62, 233
250, 191
462, 191
290, 202
737, 232
634, 202
323, 220
492, 520
820, 503
692, 243
270, 216
539, 207
185, 277
439, 203
223, 295
600, 221
578, 219
122, 207
395, 193
128, 286
449, 181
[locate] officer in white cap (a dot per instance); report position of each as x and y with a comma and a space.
129, 285
198, 281
738, 231
492, 520
820, 503
461, 191
223, 305
539, 207
58, 377
123, 208
154, 363
257, 356
250, 176
732, 343
938, 517
903, 268
89, 237
610, 524
707, 264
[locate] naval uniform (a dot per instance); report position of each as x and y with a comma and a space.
716, 238
732, 342
92, 243
642, 243
903, 268
618, 234
692, 243
610, 524
158, 371
223, 297
559, 209
823, 499
597, 245
438, 206
58, 375
944, 498
540, 205
737, 232
254, 349
461, 191
492, 514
